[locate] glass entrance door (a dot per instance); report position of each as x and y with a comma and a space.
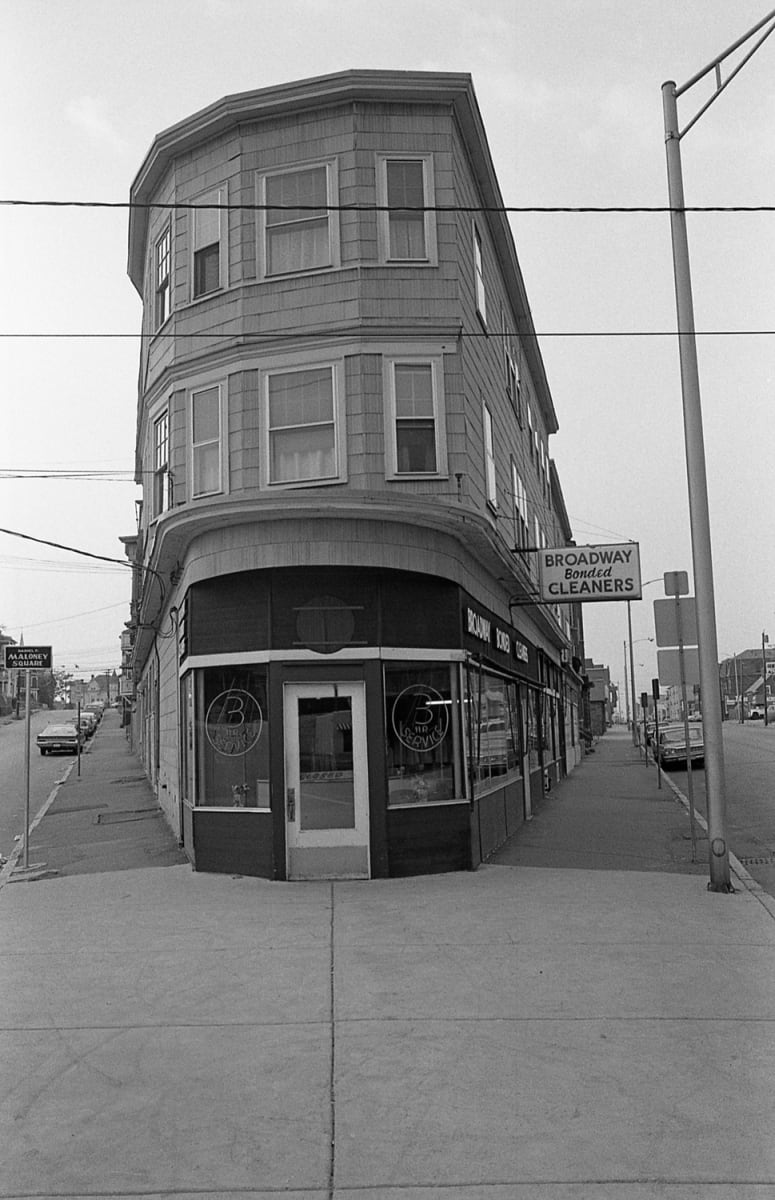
326, 782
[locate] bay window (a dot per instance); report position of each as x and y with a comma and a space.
161, 465
162, 278
415, 417
298, 226
206, 441
209, 255
489, 458
405, 197
481, 299
303, 426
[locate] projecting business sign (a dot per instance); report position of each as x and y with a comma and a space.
27, 658
578, 574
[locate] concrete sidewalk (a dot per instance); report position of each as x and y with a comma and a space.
558, 1030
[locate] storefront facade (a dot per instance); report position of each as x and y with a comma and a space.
351, 723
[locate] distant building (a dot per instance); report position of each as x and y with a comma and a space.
336, 662
600, 697
742, 676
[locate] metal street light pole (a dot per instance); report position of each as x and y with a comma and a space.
632, 668
695, 460
765, 640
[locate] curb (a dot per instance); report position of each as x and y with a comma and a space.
744, 878
10, 866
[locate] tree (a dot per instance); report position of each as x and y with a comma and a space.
46, 689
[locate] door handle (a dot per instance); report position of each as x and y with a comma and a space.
291, 804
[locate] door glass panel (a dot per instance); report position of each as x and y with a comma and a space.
326, 793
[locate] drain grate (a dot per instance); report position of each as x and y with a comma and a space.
132, 814
766, 860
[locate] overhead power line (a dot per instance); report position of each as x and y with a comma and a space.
246, 340
181, 206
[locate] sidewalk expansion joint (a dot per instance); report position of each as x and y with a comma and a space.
130, 814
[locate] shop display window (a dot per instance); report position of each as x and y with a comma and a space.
422, 733
494, 728
533, 730
227, 736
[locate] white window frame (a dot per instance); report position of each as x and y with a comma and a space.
490, 477
479, 288
336, 367
160, 467
389, 364
330, 166
222, 439
519, 497
162, 295
430, 257
217, 196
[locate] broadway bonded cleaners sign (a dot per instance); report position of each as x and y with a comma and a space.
574, 574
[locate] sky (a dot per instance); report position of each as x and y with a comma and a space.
570, 95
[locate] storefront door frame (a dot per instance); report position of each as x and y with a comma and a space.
317, 847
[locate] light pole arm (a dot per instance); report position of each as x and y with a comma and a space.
715, 65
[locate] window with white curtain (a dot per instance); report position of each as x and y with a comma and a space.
302, 434
405, 196
489, 457
299, 228
209, 254
206, 441
414, 416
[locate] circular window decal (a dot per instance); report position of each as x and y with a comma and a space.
234, 722
420, 717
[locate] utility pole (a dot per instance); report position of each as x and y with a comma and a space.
765, 640
695, 455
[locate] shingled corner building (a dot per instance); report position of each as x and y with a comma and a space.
337, 664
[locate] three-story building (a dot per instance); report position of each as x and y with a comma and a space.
340, 669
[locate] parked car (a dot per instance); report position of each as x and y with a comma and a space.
88, 723
671, 748
756, 714
59, 739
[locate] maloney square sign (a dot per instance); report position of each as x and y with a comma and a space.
577, 574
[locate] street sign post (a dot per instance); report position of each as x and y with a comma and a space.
27, 659
675, 624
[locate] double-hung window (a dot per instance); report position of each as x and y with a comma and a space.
414, 413
206, 441
489, 458
209, 257
303, 426
513, 387
405, 198
481, 299
162, 278
161, 464
519, 497
299, 226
